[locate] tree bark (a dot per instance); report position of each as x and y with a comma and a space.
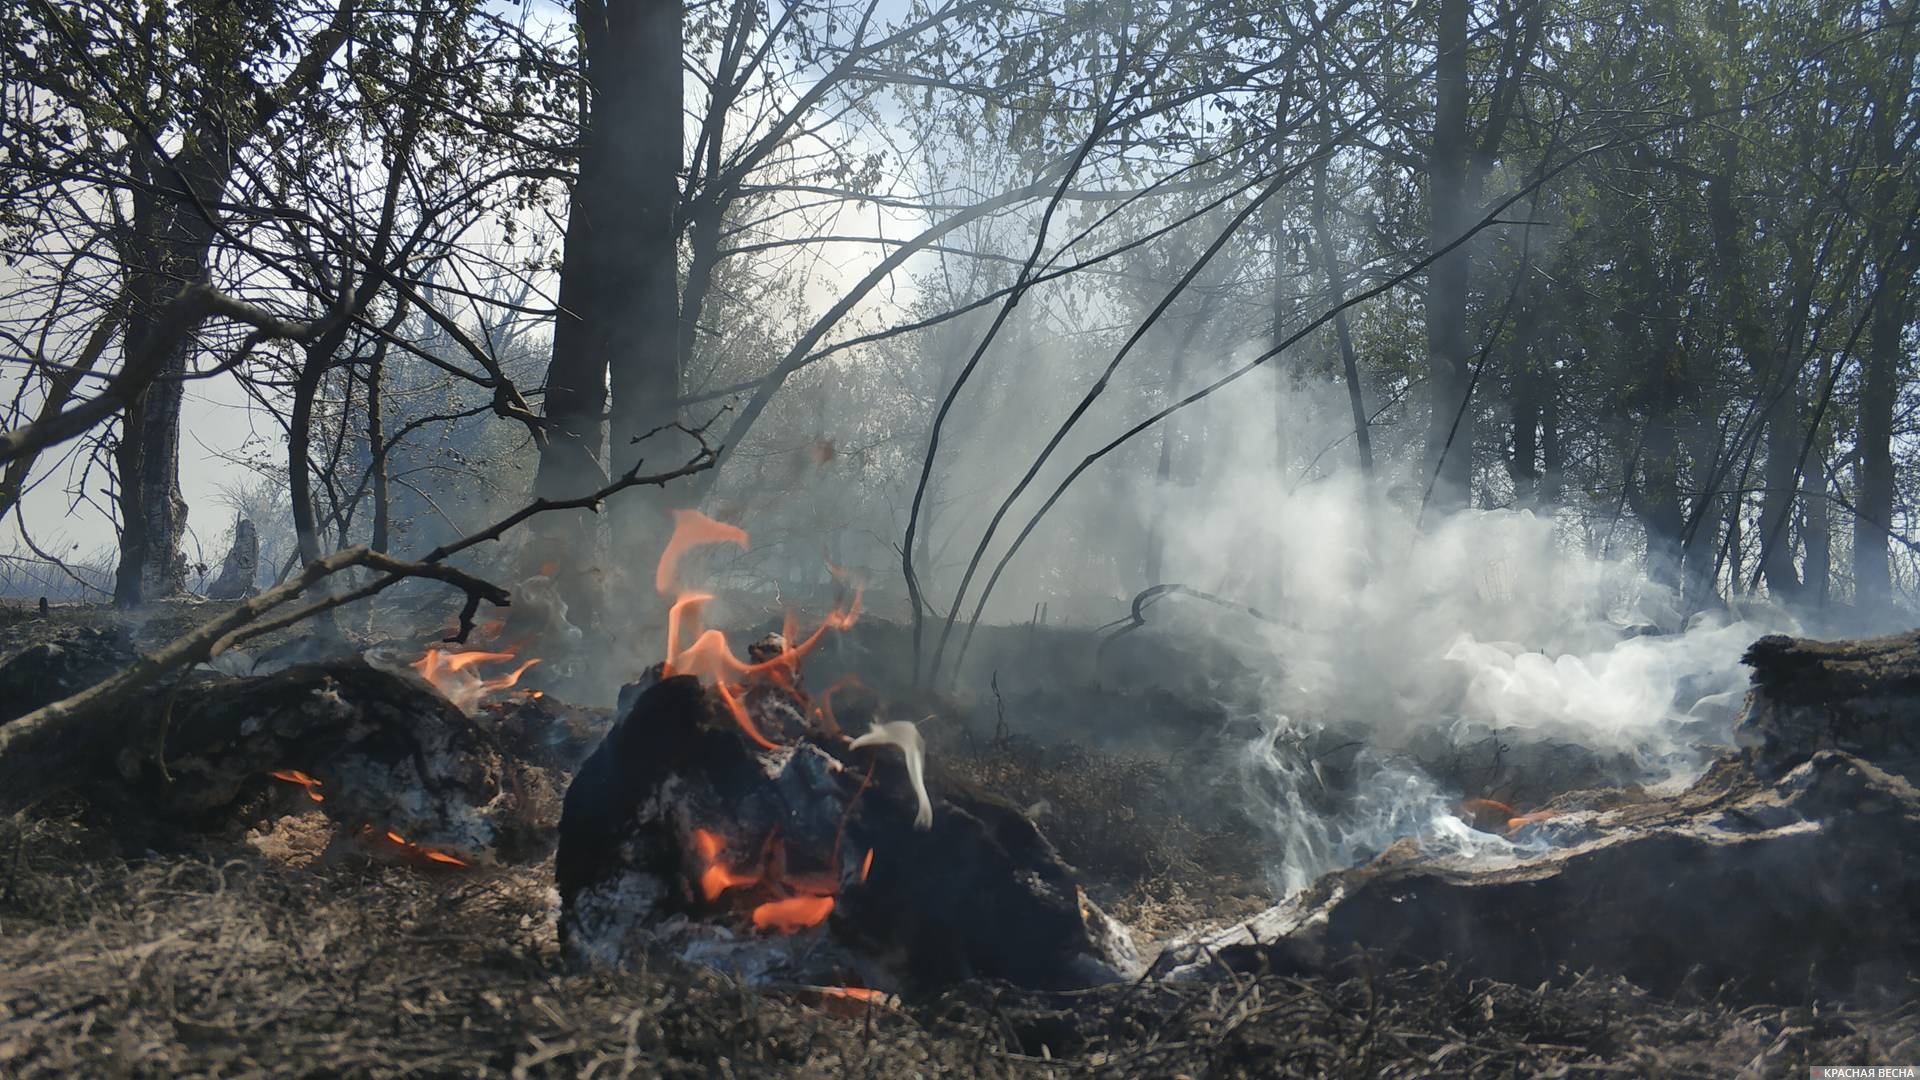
616, 351
166, 250
1873, 503
1337, 295
1449, 454
1892, 245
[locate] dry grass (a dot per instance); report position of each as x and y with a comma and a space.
183, 964
228, 963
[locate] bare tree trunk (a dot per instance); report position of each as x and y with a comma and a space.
1779, 494
165, 251
1281, 307
1892, 243
1523, 467
1816, 526
377, 451
1337, 290
1873, 502
644, 345
616, 343
1450, 427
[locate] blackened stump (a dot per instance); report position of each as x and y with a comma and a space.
801, 864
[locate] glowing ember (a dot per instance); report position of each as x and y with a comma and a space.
295, 776
453, 674
858, 993
866, 866
412, 848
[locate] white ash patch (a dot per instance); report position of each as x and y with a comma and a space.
608, 925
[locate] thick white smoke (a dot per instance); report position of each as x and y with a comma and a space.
1501, 622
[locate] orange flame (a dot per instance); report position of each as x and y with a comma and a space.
1520, 821
858, 993
810, 906
1487, 806
866, 866
794, 914
295, 776
426, 853
717, 878
709, 656
692, 529
823, 703
449, 673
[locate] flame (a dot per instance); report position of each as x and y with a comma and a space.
295, 776
717, 878
794, 914
415, 849
857, 993
692, 529
449, 673
1520, 821
823, 703
1499, 811
1488, 806
787, 903
707, 655
866, 866
810, 905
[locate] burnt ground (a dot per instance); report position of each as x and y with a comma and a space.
231, 956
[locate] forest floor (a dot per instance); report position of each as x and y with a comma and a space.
250, 954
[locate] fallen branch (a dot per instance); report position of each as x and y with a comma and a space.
51, 739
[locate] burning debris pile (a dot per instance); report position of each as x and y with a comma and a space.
728, 819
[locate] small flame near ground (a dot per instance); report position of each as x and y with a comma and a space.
367, 832
1478, 810
708, 656
415, 849
810, 898
454, 674
295, 776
